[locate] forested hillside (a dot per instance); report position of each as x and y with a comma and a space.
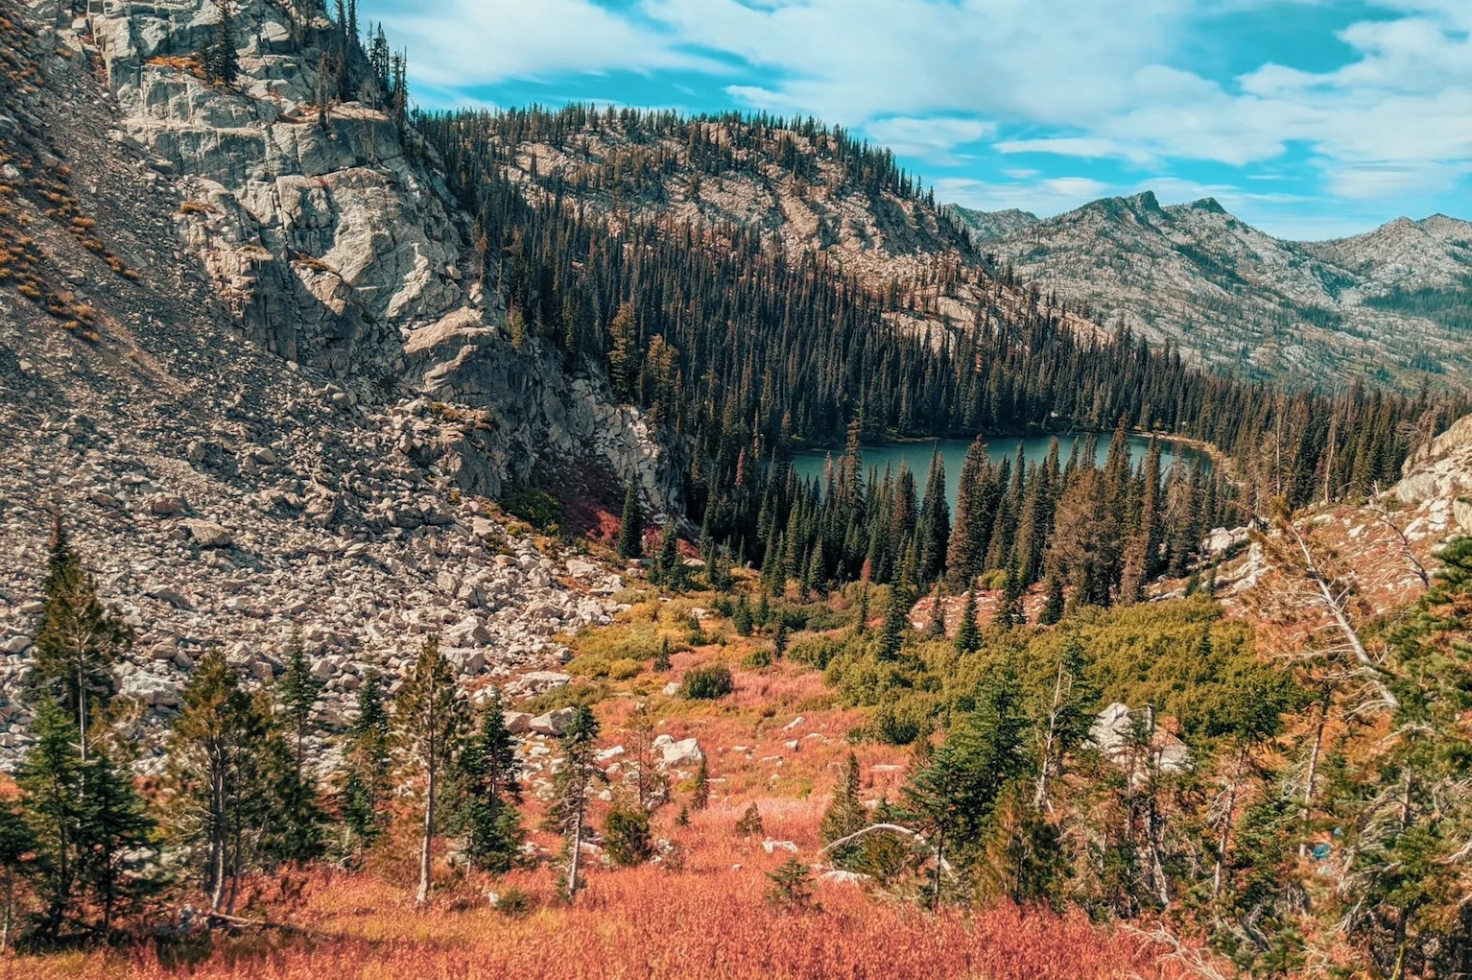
742, 351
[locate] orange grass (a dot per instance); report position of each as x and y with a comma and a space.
648, 923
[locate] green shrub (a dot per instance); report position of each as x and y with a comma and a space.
707, 683
542, 511
626, 836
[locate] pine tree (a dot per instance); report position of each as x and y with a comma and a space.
955, 793
113, 824
79, 639
631, 524
968, 635
896, 623
51, 777
430, 720
845, 814
220, 59
216, 784
490, 778
669, 567
367, 766
299, 693
1052, 611
700, 794
570, 788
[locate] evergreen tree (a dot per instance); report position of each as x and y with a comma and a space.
216, 785
896, 623
430, 717
113, 825
51, 777
570, 788
968, 635
955, 793
220, 59
79, 639
367, 767
1052, 611
845, 814
631, 524
700, 794
490, 777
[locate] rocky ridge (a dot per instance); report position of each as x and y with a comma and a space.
254, 383
1239, 299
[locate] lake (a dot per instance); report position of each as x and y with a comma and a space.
916, 456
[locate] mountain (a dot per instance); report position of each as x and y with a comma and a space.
230, 336
988, 226
1388, 307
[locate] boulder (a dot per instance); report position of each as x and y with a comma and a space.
685, 752
773, 846
208, 534
539, 682
553, 722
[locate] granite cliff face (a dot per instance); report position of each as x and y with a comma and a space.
244, 358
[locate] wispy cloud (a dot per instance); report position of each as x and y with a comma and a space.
1089, 93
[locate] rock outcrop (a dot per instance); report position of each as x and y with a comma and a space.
281, 402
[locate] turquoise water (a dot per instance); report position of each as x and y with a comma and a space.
916, 456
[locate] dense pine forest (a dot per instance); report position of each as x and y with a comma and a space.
741, 355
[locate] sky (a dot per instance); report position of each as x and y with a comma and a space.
1310, 119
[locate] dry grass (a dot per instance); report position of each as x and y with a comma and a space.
645, 923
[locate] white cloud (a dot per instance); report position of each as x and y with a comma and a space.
933, 139
465, 43
1079, 79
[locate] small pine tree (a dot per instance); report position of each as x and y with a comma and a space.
490, 779
896, 622
626, 836
750, 822
1052, 611
367, 764
700, 795
968, 636
631, 524
845, 814
570, 789
79, 639
792, 887
220, 59
779, 641
662, 658
669, 568
431, 722
741, 618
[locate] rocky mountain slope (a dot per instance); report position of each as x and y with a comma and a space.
238, 359
1390, 306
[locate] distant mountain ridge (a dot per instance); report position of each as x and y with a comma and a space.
1392, 306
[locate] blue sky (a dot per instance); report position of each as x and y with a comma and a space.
1308, 118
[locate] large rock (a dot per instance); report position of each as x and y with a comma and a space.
208, 534
553, 722
685, 752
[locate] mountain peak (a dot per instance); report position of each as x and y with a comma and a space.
1208, 204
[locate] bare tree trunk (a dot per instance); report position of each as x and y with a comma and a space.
1337, 612
1313, 768
422, 895
577, 851
1221, 852
940, 863
1040, 799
